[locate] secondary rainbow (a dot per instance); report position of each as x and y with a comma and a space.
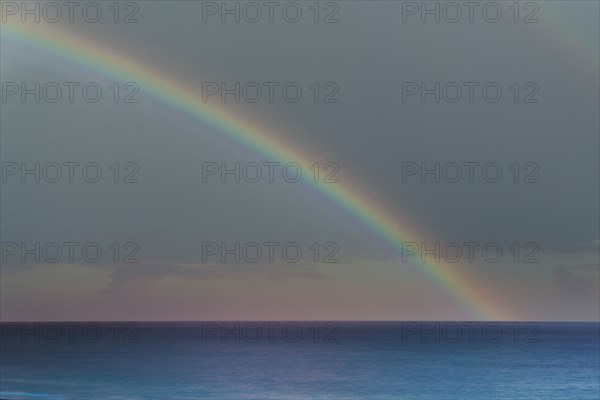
364, 208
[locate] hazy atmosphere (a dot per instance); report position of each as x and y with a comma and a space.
342, 162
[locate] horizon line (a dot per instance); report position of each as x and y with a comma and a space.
292, 320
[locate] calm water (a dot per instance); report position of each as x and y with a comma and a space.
330, 361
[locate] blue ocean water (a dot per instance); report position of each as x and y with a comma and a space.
341, 360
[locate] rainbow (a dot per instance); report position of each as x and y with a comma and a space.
572, 43
364, 208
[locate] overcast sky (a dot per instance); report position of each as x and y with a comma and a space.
369, 61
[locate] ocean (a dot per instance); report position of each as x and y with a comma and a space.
300, 360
